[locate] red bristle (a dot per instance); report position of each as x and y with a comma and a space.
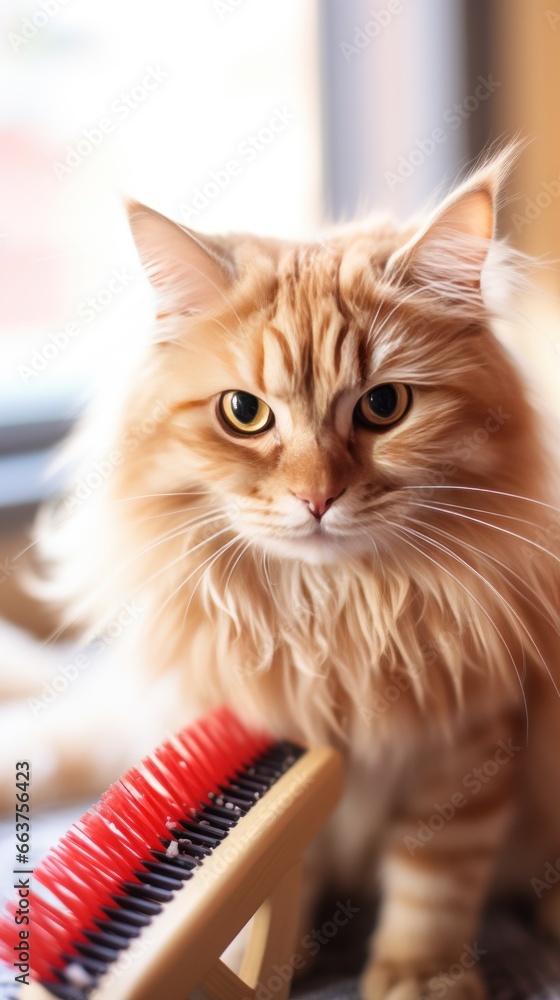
110, 842
199, 753
176, 771
171, 771
114, 847
140, 822
155, 770
48, 924
81, 887
111, 808
144, 797
49, 927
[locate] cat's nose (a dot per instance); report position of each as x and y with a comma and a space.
318, 502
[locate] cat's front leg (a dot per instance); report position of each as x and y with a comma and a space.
436, 873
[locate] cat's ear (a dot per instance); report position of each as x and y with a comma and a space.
447, 254
190, 273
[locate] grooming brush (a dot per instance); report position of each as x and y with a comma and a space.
146, 891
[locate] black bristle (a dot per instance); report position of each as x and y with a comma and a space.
251, 783
119, 917
265, 772
93, 966
147, 907
205, 829
64, 991
99, 952
159, 881
222, 823
195, 835
169, 870
148, 893
190, 850
248, 797
243, 803
179, 862
120, 930
109, 939
218, 816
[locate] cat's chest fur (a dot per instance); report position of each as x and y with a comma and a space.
352, 657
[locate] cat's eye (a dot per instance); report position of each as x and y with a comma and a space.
245, 413
383, 405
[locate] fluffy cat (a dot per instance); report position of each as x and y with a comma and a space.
342, 521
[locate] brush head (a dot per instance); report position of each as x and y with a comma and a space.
116, 868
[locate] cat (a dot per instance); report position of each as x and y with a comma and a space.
340, 518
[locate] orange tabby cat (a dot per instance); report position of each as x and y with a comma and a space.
342, 522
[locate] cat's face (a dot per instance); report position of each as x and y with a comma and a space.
321, 383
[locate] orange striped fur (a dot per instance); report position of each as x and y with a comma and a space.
416, 625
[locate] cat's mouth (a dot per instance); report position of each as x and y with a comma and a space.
321, 545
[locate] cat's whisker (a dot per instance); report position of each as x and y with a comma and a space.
453, 576
81, 608
266, 571
463, 562
239, 539
268, 524
103, 504
495, 527
483, 489
186, 552
237, 558
271, 588
398, 305
487, 556
211, 558
382, 302
521, 677
219, 290
480, 510
183, 555
152, 496
176, 512
371, 540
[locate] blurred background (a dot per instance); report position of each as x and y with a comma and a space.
234, 114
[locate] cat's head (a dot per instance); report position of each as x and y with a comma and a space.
313, 389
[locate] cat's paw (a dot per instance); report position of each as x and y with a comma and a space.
401, 981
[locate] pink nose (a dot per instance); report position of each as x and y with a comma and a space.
318, 502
